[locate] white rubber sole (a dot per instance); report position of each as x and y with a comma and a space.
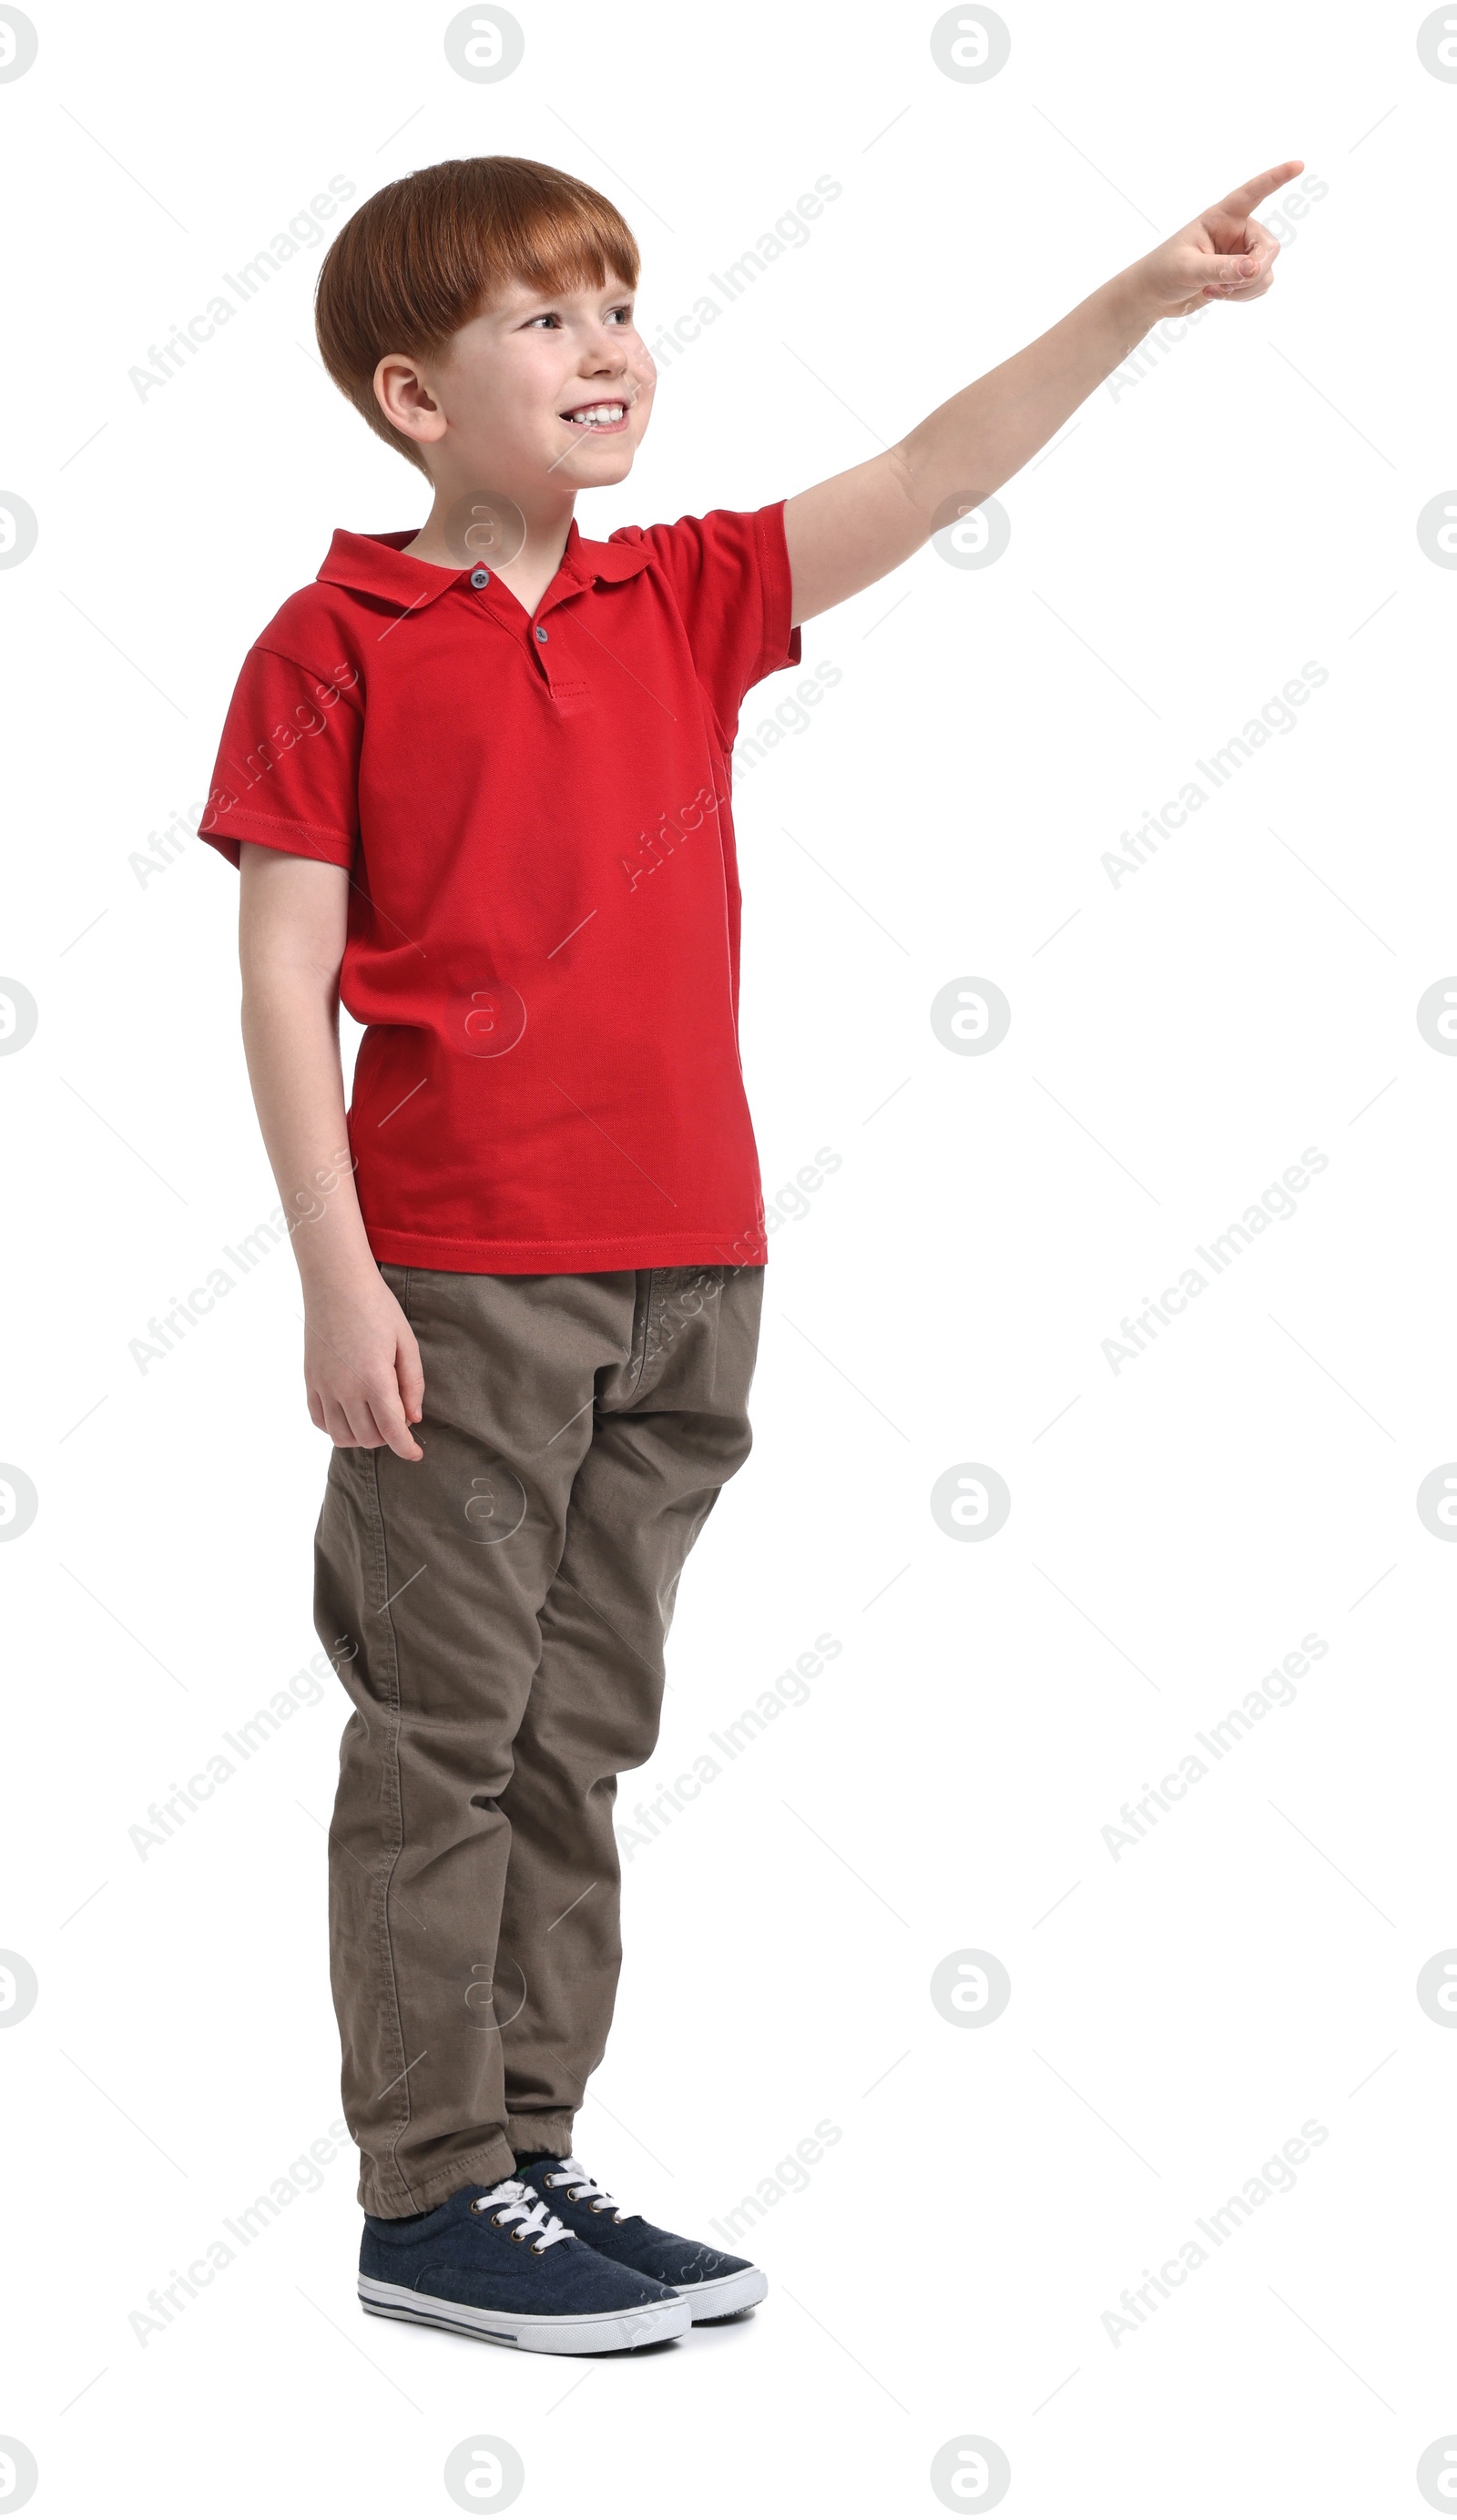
595, 2331
722, 2295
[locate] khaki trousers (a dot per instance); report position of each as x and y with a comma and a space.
497, 1613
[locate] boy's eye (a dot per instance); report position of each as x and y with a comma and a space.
615, 315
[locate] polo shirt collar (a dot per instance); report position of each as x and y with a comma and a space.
611, 560
378, 565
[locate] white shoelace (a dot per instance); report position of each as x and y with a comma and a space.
514, 2202
583, 2189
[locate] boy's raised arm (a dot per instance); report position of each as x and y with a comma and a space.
361, 1362
846, 532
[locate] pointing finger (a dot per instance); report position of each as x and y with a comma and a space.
1246, 198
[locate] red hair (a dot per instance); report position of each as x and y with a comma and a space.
421, 257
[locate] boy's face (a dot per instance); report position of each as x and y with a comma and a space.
538, 394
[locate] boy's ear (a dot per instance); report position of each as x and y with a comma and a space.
406, 400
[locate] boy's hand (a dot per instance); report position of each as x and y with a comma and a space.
361, 1365
1224, 252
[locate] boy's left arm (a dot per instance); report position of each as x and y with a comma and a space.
847, 531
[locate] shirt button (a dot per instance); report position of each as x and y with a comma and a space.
481, 577
541, 635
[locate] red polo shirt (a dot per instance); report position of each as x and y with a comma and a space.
543, 929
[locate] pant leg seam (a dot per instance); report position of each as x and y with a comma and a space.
391, 1764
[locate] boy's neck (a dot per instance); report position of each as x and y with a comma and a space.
523, 547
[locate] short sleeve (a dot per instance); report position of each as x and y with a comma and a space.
730, 575
287, 766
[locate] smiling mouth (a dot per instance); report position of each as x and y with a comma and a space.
596, 414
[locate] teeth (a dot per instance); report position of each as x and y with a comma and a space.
604, 412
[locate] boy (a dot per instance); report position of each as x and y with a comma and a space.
477, 780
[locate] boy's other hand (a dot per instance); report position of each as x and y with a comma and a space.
361, 1366
1224, 252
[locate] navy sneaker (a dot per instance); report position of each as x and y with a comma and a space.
495, 2262
713, 2286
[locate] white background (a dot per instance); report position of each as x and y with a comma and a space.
1177, 1526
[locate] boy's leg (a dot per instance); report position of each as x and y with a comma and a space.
434, 1581
668, 1433
429, 1576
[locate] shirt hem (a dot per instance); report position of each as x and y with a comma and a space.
599, 1256
783, 644
234, 825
